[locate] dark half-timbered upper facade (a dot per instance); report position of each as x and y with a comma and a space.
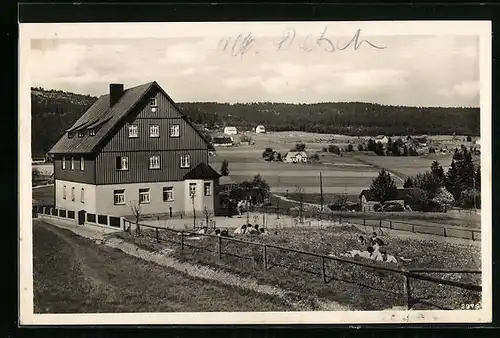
130, 139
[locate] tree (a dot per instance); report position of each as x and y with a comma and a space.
267, 152
333, 149
428, 182
383, 187
224, 169
135, 206
300, 147
438, 171
469, 138
470, 198
261, 185
444, 198
452, 182
279, 157
417, 199
405, 150
325, 149
350, 147
395, 149
408, 183
314, 157
360, 147
389, 143
339, 202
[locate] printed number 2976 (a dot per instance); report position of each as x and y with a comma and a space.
470, 306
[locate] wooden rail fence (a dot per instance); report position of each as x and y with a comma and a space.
407, 274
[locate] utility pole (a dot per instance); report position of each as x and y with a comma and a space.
321, 189
474, 190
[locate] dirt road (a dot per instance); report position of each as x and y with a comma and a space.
74, 274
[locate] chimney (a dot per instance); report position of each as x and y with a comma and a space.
115, 92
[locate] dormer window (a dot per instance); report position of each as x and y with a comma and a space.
92, 132
81, 133
152, 102
71, 134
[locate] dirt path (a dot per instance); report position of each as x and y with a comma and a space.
74, 274
102, 276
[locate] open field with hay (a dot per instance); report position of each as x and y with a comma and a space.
351, 285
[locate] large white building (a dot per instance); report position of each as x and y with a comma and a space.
230, 130
260, 129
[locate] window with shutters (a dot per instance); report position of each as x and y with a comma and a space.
144, 196
154, 130
122, 163
154, 162
119, 197
133, 131
168, 194
185, 161
175, 130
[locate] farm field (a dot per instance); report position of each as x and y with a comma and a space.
350, 285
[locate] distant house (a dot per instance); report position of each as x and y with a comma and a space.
38, 159
226, 184
368, 200
295, 157
260, 129
223, 141
230, 130
382, 139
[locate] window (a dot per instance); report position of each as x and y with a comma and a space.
174, 130
168, 194
82, 195
207, 188
119, 197
154, 130
192, 189
81, 133
143, 196
152, 102
122, 163
82, 164
185, 161
72, 163
71, 134
63, 163
154, 162
92, 132
64, 192
133, 131
73, 194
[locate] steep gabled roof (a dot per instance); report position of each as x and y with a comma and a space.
100, 114
202, 171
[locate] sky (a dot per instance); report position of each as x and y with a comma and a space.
422, 70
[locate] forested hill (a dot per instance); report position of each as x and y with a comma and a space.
54, 111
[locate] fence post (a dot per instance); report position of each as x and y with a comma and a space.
472, 232
413, 228
444, 232
157, 236
390, 225
219, 247
264, 256
182, 240
380, 225
406, 287
323, 274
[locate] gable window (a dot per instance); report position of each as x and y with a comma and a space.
92, 132
168, 194
133, 131
73, 194
119, 197
185, 161
81, 133
72, 164
154, 162
64, 192
63, 163
153, 102
175, 130
207, 188
192, 189
144, 196
122, 163
82, 195
154, 130
82, 164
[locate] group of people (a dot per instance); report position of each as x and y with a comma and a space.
375, 250
250, 229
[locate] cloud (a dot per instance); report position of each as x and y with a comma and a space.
195, 52
241, 82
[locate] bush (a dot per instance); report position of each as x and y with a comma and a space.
333, 149
470, 198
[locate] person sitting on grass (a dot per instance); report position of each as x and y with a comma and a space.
251, 229
357, 253
384, 257
224, 233
203, 231
362, 240
241, 230
263, 231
